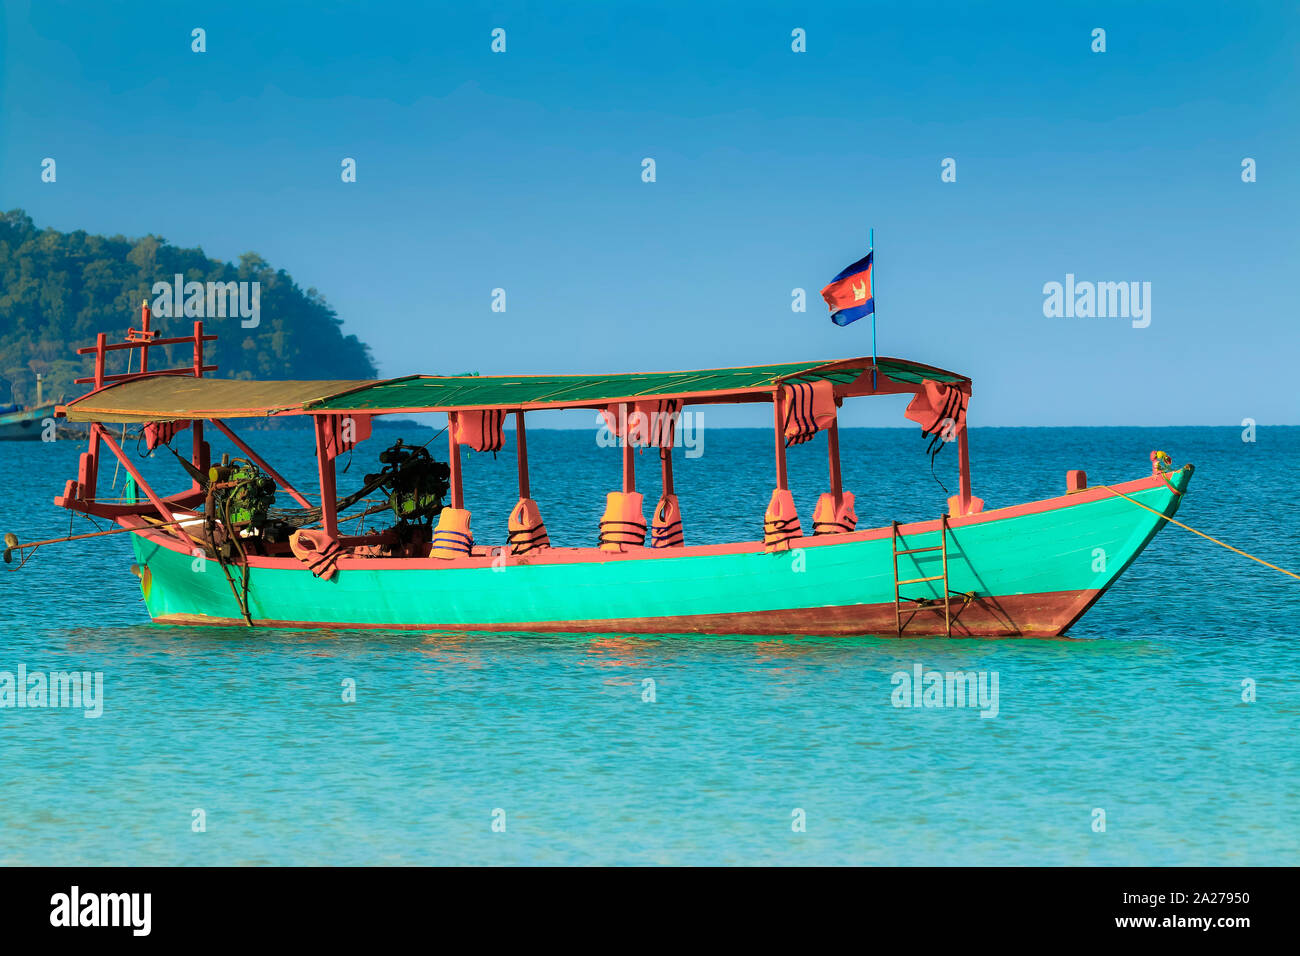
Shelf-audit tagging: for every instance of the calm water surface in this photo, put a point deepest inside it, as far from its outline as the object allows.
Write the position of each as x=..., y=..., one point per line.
x=1141, y=714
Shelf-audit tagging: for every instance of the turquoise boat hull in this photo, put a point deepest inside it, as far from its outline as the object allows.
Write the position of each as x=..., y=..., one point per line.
x=1029, y=570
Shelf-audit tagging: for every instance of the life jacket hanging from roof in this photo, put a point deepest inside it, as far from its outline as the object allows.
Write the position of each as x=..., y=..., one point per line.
x=648, y=423
x=161, y=433
x=666, y=523
x=343, y=433
x=940, y=410
x=663, y=421
x=829, y=519
x=623, y=523
x=452, y=537
x=526, y=532
x=480, y=429
x=781, y=523
x=651, y=423
x=809, y=407
x=666, y=528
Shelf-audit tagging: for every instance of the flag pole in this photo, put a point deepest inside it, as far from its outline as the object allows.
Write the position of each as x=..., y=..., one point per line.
x=872, y=250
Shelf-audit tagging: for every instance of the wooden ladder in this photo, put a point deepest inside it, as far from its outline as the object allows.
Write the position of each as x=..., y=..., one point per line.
x=923, y=602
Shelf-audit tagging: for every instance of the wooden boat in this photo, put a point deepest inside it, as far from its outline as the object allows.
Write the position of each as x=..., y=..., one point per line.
x=1029, y=569
x=23, y=424
x=19, y=423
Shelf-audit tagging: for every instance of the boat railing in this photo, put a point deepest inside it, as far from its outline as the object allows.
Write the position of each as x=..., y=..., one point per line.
x=143, y=339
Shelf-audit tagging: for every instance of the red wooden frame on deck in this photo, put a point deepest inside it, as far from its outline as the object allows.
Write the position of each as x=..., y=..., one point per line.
x=81, y=494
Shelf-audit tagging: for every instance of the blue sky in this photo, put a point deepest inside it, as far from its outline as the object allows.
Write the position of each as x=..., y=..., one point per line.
x=522, y=171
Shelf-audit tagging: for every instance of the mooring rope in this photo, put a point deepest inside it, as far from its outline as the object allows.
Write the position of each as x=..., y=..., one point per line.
x=1222, y=544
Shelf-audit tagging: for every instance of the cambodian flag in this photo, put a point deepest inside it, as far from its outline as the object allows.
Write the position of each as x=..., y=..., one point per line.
x=849, y=294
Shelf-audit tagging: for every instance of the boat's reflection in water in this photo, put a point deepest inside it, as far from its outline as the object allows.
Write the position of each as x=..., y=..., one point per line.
x=428, y=663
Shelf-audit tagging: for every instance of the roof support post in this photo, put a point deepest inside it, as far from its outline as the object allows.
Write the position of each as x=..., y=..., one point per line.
x=778, y=416
x=963, y=464
x=833, y=450
x=256, y=459
x=453, y=461
x=199, y=456
x=328, y=495
x=521, y=450
x=629, y=452
x=666, y=467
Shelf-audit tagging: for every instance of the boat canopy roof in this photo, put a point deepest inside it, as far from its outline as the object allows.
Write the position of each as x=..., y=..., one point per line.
x=173, y=397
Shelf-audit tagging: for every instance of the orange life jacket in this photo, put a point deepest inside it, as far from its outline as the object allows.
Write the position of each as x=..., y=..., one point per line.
x=666, y=529
x=343, y=433
x=317, y=550
x=452, y=538
x=480, y=429
x=781, y=523
x=160, y=433
x=828, y=519
x=651, y=423
x=623, y=523
x=526, y=530
x=809, y=406
x=940, y=410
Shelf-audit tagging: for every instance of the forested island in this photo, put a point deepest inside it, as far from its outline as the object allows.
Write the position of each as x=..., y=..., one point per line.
x=57, y=290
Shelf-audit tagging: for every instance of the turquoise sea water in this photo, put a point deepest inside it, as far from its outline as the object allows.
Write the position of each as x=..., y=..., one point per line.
x=1140, y=714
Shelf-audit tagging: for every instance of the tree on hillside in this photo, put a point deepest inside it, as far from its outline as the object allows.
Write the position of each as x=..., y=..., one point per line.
x=58, y=290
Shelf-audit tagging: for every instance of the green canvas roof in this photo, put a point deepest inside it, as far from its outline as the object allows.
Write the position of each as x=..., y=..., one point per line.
x=173, y=397
x=441, y=393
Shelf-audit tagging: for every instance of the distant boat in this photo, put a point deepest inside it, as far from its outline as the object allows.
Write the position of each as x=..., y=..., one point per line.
x=23, y=424
x=1029, y=569
x=19, y=423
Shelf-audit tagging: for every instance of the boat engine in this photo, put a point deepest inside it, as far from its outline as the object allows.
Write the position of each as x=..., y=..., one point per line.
x=242, y=494
x=414, y=482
